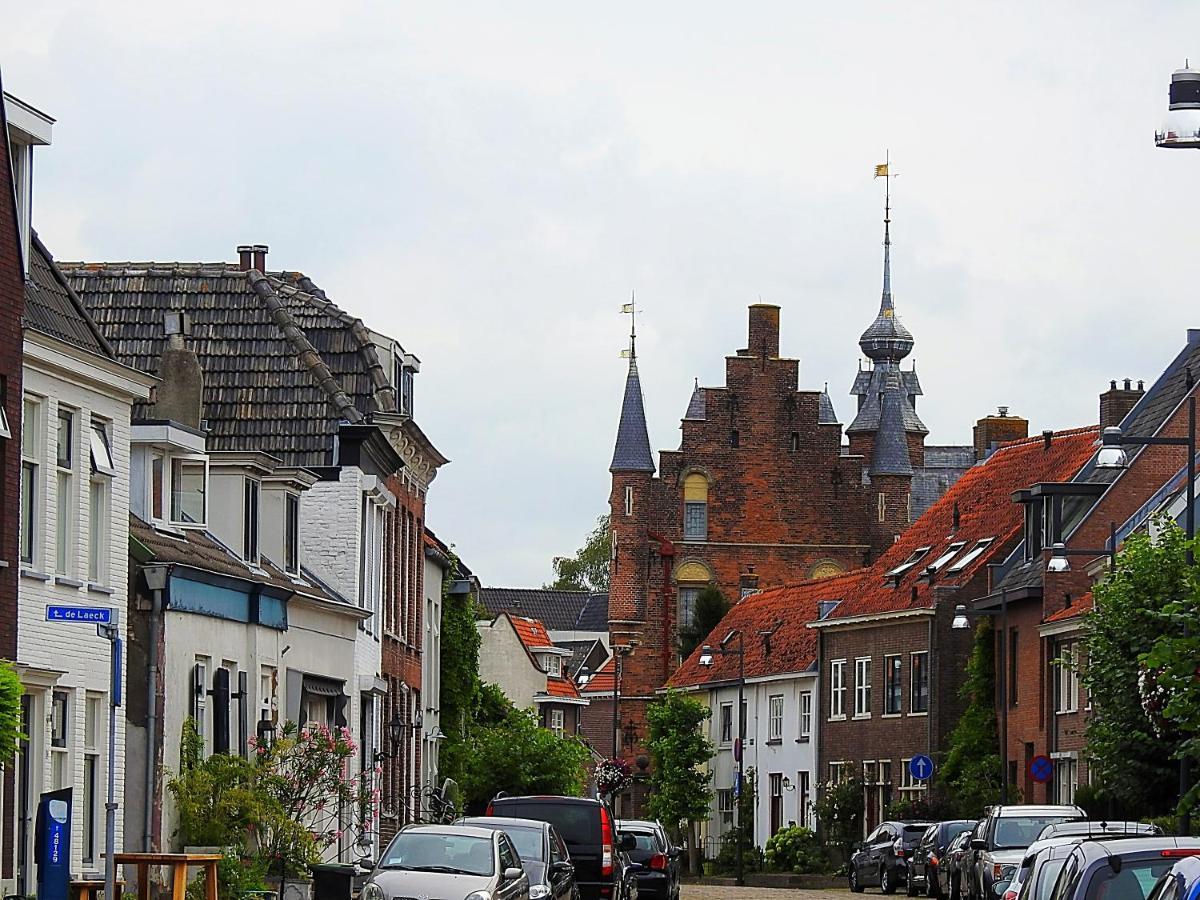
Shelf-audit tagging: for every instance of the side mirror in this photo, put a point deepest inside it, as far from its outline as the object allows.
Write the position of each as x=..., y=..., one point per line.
x=512, y=873
x=978, y=844
x=628, y=842
x=561, y=869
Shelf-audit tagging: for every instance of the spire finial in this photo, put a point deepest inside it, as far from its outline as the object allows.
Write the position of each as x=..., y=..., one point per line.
x=631, y=310
x=885, y=173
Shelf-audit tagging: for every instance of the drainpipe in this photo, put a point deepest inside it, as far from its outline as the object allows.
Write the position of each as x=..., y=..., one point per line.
x=156, y=580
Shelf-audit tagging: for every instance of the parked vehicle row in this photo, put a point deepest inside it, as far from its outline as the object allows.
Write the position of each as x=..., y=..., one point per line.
x=530, y=848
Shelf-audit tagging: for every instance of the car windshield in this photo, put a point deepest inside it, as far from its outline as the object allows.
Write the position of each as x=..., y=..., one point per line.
x=645, y=841
x=440, y=851
x=529, y=843
x=1134, y=882
x=1021, y=831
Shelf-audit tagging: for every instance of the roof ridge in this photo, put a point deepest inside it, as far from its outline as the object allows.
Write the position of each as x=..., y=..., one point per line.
x=36, y=243
x=307, y=353
x=384, y=394
x=1038, y=438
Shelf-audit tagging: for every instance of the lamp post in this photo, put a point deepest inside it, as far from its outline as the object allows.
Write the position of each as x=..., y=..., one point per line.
x=1112, y=454
x=618, y=668
x=157, y=577
x=962, y=619
x=395, y=738
x=706, y=659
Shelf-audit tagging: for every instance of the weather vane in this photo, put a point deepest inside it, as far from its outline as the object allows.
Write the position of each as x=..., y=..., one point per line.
x=630, y=310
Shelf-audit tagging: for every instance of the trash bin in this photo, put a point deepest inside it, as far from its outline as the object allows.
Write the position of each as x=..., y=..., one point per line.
x=332, y=881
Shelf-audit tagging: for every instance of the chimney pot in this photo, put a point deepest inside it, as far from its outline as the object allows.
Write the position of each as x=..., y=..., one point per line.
x=1047, y=438
x=1112, y=385
x=1141, y=386
x=260, y=257
x=245, y=252
x=1003, y=411
x=1128, y=384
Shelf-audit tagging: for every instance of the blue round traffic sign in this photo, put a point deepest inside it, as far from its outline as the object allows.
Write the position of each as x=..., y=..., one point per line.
x=920, y=767
x=1041, y=768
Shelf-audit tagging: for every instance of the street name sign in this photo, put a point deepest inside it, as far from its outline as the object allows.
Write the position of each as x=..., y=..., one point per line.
x=94, y=615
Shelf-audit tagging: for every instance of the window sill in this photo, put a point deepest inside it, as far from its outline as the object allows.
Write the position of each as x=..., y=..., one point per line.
x=891, y=715
x=919, y=715
x=36, y=576
x=1065, y=712
x=68, y=582
x=837, y=718
x=803, y=740
x=99, y=589
x=860, y=717
x=3, y=564
x=774, y=742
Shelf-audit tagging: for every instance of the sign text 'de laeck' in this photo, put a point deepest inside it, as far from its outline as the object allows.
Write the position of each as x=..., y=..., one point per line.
x=90, y=614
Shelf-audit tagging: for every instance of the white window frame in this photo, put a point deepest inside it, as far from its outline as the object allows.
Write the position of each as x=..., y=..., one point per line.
x=100, y=447
x=837, y=689
x=888, y=660
x=775, y=717
x=558, y=724
x=1066, y=778
x=628, y=500
x=907, y=782
x=99, y=528
x=912, y=694
x=805, y=716
x=553, y=664
x=725, y=718
x=94, y=724
x=291, y=533
x=169, y=462
x=837, y=772
x=199, y=700
x=60, y=745
x=725, y=808
x=913, y=558
x=948, y=554
x=33, y=507
x=251, y=519
x=971, y=555
x=1066, y=679
x=66, y=529
x=862, y=687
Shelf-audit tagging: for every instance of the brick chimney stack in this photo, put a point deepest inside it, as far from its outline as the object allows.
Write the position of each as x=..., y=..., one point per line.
x=1116, y=402
x=260, y=257
x=993, y=430
x=764, y=331
x=245, y=252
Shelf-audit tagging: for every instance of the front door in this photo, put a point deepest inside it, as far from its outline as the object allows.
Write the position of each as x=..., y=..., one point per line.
x=776, y=801
x=24, y=812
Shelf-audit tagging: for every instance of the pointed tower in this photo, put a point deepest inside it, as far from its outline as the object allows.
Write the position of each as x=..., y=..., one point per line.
x=632, y=471
x=886, y=343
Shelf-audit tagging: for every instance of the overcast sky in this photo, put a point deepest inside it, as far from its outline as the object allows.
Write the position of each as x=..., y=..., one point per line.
x=488, y=182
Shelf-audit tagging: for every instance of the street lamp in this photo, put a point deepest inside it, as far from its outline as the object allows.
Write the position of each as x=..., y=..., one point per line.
x=706, y=659
x=619, y=654
x=1182, y=128
x=395, y=737
x=962, y=619
x=1059, y=552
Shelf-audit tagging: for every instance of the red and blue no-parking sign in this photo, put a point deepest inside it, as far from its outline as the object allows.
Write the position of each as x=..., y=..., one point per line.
x=1041, y=768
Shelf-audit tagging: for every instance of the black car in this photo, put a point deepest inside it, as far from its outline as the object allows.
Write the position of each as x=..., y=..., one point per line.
x=925, y=861
x=954, y=867
x=659, y=877
x=882, y=858
x=603, y=870
x=544, y=855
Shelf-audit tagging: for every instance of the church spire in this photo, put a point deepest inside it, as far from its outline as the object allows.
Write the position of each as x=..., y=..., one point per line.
x=632, y=452
x=886, y=340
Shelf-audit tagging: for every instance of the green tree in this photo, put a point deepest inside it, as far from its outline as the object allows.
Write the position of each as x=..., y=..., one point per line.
x=10, y=711
x=517, y=756
x=587, y=570
x=971, y=774
x=459, y=672
x=711, y=607
x=839, y=809
x=1151, y=589
x=680, y=785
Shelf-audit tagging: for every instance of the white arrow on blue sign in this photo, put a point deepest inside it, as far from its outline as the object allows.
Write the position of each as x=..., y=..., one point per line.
x=920, y=767
x=95, y=615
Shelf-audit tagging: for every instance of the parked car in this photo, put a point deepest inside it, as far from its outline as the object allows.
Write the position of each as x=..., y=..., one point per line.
x=603, y=870
x=955, y=866
x=1093, y=829
x=448, y=861
x=999, y=841
x=882, y=858
x=1180, y=882
x=544, y=855
x=1044, y=858
x=926, y=857
x=659, y=876
x=1126, y=869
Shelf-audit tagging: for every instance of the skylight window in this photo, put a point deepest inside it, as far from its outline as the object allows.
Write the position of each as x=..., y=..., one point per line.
x=972, y=555
x=917, y=556
x=953, y=549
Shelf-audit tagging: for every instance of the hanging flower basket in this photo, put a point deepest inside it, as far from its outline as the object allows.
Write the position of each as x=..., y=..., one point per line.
x=613, y=776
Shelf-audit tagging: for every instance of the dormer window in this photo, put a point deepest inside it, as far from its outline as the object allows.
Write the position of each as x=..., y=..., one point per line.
x=250, y=497
x=972, y=555
x=189, y=490
x=291, y=534
x=553, y=665
x=916, y=556
x=406, y=367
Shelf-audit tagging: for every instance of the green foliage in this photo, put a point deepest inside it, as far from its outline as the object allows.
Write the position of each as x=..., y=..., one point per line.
x=459, y=674
x=237, y=875
x=518, y=756
x=10, y=711
x=971, y=773
x=711, y=607
x=1151, y=589
x=680, y=784
x=587, y=570
x=926, y=806
x=795, y=849
x=216, y=799
x=839, y=809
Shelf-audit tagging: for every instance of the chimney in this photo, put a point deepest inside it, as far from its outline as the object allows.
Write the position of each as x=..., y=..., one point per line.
x=179, y=396
x=1116, y=402
x=748, y=583
x=244, y=252
x=997, y=429
x=764, y=331
x=260, y=257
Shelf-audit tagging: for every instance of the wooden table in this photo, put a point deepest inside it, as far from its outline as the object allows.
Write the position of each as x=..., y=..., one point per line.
x=89, y=889
x=179, y=864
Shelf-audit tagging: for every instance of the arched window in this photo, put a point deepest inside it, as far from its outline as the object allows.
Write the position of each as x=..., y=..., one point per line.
x=695, y=508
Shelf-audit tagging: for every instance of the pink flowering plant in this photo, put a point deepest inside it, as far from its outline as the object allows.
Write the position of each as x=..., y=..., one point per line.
x=612, y=776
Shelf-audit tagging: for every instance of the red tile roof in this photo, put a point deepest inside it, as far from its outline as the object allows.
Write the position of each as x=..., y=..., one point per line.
x=602, y=681
x=561, y=687
x=1078, y=607
x=986, y=510
x=531, y=632
x=793, y=647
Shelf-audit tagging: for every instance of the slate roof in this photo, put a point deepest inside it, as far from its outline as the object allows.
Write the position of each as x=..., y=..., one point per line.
x=825, y=411
x=890, y=453
x=697, y=408
x=560, y=610
x=886, y=337
x=52, y=308
x=983, y=496
x=283, y=366
x=873, y=387
x=580, y=651
x=793, y=647
x=632, y=450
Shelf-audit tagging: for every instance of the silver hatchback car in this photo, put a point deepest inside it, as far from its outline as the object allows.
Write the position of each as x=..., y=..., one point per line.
x=448, y=862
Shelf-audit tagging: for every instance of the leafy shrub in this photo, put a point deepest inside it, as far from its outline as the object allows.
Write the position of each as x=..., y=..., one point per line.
x=795, y=849
x=839, y=809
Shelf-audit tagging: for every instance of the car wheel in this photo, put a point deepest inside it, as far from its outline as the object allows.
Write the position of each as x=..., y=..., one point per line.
x=854, y=885
x=887, y=881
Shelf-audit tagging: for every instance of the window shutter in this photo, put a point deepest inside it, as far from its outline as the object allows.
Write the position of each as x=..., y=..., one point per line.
x=220, y=693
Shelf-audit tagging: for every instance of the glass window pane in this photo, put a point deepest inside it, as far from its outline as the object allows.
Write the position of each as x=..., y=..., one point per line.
x=98, y=526
x=187, y=491
x=28, y=521
x=695, y=521
x=66, y=438
x=156, y=486
x=29, y=428
x=101, y=455
x=65, y=532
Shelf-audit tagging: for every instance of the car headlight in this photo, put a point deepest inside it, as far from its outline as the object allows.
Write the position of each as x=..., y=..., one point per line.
x=479, y=895
x=538, y=891
x=372, y=891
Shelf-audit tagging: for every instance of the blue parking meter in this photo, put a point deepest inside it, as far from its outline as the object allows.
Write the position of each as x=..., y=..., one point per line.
x=52, y=845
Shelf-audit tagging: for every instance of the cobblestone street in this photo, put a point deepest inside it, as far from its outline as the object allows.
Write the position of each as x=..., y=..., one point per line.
x=723, y=892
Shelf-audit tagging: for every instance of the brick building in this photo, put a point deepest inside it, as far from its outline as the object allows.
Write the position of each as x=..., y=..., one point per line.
x=891, y=665
x=761, y=490
x=1047, y=708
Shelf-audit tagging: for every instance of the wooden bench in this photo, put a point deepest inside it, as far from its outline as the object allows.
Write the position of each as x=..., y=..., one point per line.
x=178, y=863
x=88, y=889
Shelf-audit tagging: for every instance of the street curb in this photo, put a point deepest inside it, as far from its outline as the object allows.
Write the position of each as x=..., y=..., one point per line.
x=781, y=881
